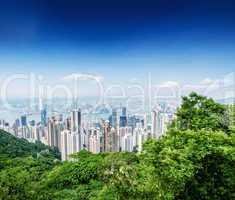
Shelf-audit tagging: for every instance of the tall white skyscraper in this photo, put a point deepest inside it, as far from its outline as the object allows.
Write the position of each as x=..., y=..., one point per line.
x=94, y=140
x=54, y=133
x=72, y=142
x=64, y=145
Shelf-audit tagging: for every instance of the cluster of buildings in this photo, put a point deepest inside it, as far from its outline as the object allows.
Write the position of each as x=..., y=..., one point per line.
x=73, y=133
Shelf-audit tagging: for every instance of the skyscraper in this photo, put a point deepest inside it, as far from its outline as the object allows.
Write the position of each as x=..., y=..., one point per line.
x=51, y=132
x=105, y=140
x=23, y=120
x=64, y=144
x=24, y=128
x=123, y=111
x=114, y=119
x=123, y=118
x=123, y=121
x=131, y=121
x=16, y=126
x=54, y=133
x=94, y=140
x=76, y=120
x=44, y=116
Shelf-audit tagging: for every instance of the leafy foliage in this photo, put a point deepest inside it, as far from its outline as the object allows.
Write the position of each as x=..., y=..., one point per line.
x=198, y=112
x=193, y=165
x=194, y=160
x=13, y=147
x=231, y=113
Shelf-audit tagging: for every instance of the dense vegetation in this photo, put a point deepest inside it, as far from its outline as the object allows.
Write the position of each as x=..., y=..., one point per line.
x=13, y=147
x=23, y=165
x=231, y=113
x=194, y=160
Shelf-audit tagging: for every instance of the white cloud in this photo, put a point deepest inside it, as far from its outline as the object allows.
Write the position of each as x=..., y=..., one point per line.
x=216, y=88
x=207, y=81
x=169, y=84
x=221, y=88
x=80, y=76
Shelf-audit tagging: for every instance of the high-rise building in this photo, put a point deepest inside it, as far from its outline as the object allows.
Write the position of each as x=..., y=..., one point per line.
x=67, y=123
x=76, y=120
x=123, y=118
x=94, y=140
x=105, y=140
x=38, y=134
x=32, y=123
x=44, y=116
x=32, y=130
x=114, y=118
x=131, y=121
x=64, y=145
x=123, y=111
x=25, y=133
x=125, y=135
x=17, y=123
x=51, y=132
x=54, y=133
x=15, y=127
x=84, y=139
x=159, y=123
x=114, y=143
x=60, y=118
x=72, y=142
x=127, y=143
x=24, y=128
x=123, y=121
x=23, y=120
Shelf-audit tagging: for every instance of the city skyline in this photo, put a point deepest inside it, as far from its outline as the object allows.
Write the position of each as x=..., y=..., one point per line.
x=104, y=54
x=117, y=99
x=72, y=132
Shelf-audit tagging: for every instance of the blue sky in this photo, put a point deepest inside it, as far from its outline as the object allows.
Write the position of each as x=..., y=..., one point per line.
x=183, y=41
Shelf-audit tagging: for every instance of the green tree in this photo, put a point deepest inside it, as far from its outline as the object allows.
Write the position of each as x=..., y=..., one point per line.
x=12, y=147
x=194, y=160
x=119, y=175
x=191, y=165
x=78, y=179
x=198, y=112
x=231, y=113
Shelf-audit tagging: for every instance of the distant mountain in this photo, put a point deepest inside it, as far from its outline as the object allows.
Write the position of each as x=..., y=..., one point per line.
x=13, y=147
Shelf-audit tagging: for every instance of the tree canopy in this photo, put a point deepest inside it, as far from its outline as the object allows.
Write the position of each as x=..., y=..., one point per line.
x=194, y=160
x=199, y=112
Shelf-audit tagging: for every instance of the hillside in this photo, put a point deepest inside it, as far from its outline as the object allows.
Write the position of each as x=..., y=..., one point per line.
x=13, y=147
x=194, y=160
